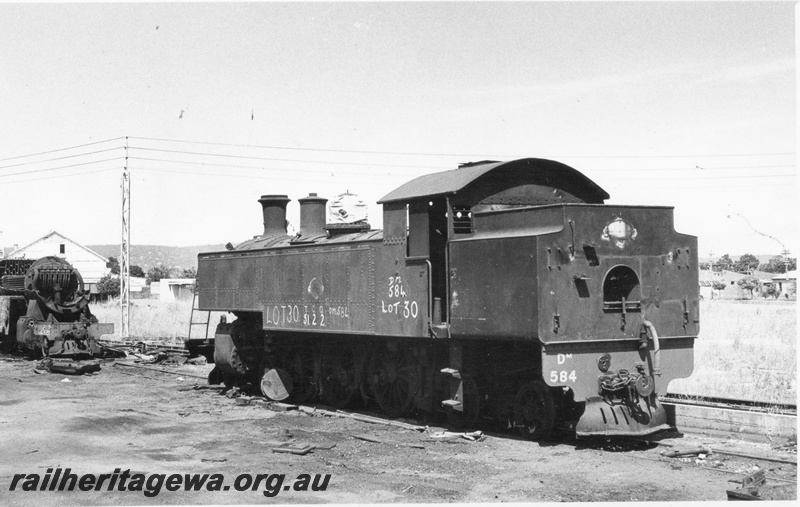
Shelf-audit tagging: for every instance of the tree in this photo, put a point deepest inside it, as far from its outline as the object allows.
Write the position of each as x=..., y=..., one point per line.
x=748, y=283
x=189, y=273
x=137, y=272
x=156, y=273
x=777, y=265
x=113, y=263
x=704, y=265
x=717, y=286
x=746, y=263
x=108, y=286
x=772, y=291
x=724, y=262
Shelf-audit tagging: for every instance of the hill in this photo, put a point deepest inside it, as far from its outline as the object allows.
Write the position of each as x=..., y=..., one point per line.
x=148, y=256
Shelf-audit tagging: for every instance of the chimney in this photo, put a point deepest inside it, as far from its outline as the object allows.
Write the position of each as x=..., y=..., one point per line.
x=312, y=216
x=274, y=214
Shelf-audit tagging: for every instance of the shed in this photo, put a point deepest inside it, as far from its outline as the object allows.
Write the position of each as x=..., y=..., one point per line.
x=91, y=264
x=786, y=283
x=173, y=289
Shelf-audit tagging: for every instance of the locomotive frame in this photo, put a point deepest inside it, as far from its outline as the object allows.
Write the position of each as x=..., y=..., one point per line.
x=44, y=312
x=499, y=289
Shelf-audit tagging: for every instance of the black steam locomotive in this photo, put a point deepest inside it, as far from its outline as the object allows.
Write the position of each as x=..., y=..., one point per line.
x=505, y=290
x=44, y=312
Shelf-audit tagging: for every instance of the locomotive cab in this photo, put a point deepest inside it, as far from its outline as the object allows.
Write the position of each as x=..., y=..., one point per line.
x=545, y=279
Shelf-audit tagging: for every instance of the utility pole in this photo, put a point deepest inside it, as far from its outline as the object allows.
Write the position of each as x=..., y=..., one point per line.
x=124, y=264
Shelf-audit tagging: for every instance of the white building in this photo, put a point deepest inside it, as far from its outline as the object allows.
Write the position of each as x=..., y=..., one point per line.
x=786, y=283
x=172, y=289
x=90, y=264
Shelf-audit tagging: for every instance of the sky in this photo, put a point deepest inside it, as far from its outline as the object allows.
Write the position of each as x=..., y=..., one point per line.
x=211, y=105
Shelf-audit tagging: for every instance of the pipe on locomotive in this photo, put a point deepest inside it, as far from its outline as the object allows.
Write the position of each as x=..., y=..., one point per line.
x=656, y=348
x=312, y=216
x=274, y=210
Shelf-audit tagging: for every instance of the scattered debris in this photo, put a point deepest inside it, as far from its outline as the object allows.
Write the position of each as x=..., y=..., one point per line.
x=472, y=436
x=160, y=370
x=175, y=359
x=282, y=407
x=360, y=417
x=321, y=447
x=66, y=366
x=751, y=456
x=199, y=361
x=754, y=487
x=294, y=448
x=687, y=452
x=213, y=460
x=377, y=441
x=66, y=380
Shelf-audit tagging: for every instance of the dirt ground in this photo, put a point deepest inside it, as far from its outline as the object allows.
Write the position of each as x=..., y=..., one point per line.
x=155, y=423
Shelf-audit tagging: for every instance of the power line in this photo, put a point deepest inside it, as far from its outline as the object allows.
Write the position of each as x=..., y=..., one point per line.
x=61, y=149
x=51, y=177
x=235, y=166
x=247, y=157
x=60, y=167
x=244, y=176
x=331, y=150
x=379, y=152
x=58, y=158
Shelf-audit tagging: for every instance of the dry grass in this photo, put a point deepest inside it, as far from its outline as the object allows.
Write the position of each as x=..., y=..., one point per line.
x=746, y=350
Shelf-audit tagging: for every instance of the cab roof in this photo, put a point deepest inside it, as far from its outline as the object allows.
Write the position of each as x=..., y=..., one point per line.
x=526, y=170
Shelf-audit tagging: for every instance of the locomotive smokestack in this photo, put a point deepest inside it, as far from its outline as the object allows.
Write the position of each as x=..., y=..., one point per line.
x=312, y=216
x=274, y=214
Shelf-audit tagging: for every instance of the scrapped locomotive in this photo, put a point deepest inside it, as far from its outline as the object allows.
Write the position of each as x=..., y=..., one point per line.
x=505, y=290
x=44, y=311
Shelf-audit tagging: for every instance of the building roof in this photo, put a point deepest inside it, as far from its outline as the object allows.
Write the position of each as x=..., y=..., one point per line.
x=453, y=181
x=56, y=233
x=790, y=275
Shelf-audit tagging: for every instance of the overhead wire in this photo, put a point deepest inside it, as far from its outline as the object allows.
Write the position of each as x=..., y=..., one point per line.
x=61, y=167
x=59, y=158
x=198, y=159
x=247, y=157
x=380, y=152
x=236, y=166
x=82, y=173
x=61, y=149
x=246, y=176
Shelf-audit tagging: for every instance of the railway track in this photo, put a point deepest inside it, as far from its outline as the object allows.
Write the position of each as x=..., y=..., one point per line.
x=743, y=417
x=731, y=404
x=692, y=413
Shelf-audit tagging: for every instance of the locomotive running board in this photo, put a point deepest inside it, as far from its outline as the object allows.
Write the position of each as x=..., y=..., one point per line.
x=602, y=418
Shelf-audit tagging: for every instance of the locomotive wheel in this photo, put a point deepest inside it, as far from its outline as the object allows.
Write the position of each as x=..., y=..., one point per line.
x=471, y=403
x=394, y=380
x=534, y=411
x=215, y=376
x=302, y=369
x=338, y=378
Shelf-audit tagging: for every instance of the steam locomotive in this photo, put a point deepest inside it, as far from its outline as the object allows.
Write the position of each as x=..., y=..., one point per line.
x=502, y=290
x=44, y=312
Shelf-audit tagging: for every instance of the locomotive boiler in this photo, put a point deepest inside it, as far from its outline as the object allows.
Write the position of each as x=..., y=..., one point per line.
x=44, y=311
x=504, y=290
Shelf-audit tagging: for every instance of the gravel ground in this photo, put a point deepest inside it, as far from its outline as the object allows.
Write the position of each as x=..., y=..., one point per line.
x=155, y=423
